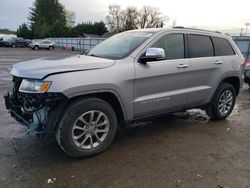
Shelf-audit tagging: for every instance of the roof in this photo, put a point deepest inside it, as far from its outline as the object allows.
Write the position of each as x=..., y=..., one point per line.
x=90, y=35
x=109, y=34
x=186, y=29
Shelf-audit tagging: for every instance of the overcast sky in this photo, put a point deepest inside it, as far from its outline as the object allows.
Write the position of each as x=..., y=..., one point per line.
x=213, y=14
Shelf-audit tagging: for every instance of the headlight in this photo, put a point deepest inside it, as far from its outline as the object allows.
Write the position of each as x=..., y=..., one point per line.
x=34, y=86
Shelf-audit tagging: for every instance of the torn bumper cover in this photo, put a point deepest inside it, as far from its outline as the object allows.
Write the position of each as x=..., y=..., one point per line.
x=38, y=112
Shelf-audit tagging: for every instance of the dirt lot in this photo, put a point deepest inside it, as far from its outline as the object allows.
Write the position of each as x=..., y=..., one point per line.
x=182, y=150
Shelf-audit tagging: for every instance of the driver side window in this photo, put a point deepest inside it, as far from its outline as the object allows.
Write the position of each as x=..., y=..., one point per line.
x=173, y=45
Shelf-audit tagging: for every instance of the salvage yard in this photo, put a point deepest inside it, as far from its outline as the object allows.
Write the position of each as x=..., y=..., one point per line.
x=181, y=150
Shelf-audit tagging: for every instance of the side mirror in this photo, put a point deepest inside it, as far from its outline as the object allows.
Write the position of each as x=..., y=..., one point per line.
x=153, y=54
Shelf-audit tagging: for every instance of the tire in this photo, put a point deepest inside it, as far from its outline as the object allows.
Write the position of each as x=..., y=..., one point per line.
x=51, y=48
x=36, y=47
x=70, y=122
x=13, y=45
x=221, y=107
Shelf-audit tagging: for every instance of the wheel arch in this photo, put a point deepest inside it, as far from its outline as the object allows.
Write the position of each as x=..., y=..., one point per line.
x=110, y=97
x=234, y=81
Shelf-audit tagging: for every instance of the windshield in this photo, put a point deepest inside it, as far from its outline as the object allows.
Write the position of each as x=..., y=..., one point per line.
x=120, y=45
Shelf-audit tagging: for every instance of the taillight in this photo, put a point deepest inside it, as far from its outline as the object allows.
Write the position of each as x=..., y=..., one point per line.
x=244, y=64
x=247, y=66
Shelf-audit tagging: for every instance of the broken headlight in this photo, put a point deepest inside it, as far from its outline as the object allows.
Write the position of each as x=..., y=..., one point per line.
x=34, y=86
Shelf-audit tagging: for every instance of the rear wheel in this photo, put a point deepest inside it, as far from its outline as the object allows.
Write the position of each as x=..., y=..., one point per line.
x=51, y=48
x=87, y=128
x=36, y=48
x=13, y=45
x=222, y=103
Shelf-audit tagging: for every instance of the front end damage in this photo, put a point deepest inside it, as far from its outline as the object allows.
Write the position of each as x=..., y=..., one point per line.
x=39, y=112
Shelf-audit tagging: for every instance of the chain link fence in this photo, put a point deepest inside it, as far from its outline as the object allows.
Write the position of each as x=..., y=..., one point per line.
x=77, y=44
x=243, y=42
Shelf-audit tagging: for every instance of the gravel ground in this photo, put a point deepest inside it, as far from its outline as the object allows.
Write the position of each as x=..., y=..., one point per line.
x=181, y=150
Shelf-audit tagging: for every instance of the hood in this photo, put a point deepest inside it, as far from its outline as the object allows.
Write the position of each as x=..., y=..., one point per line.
x=40, y=68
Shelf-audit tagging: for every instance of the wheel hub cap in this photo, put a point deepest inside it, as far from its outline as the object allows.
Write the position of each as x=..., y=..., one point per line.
x=90, y=129
x=225, y=102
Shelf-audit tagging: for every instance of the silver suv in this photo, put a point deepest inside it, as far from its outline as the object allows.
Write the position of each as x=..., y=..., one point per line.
x=42, y=44
x=129, y=77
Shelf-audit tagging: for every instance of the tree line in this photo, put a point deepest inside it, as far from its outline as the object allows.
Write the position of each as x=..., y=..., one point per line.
x=51, y=19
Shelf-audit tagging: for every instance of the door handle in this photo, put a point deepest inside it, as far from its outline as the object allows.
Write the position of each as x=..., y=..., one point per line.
x=218, y=62
x=182, y=66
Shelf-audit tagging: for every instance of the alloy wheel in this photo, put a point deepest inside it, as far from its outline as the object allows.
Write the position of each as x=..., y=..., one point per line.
x=90, y=129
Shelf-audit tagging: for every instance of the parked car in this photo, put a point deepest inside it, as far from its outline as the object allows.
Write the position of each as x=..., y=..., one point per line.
x=247, y=74
x=130, y=77
x=42, y=44
x=16, y=42
x=1, y=42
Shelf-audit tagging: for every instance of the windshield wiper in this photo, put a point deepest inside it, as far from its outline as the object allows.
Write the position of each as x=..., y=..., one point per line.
x=93, y=55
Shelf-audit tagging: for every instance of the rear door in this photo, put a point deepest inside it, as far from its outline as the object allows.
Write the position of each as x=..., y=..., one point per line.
x=161, y=86
x=206, y=68
x=224, y=50
x=44, y=44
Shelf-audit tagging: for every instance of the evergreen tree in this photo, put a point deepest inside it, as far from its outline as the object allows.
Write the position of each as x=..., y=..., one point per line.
x=97, y=28
x=48, y=18
x=24, y=31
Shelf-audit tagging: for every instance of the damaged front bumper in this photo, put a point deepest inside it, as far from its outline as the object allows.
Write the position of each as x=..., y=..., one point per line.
x=38, y=112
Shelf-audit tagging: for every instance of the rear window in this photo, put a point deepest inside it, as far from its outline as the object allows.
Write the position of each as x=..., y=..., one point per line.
x=222, y=47
x=200, y=46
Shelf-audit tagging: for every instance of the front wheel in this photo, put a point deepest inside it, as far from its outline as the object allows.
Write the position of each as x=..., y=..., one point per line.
x=36, y=48
x=87, y=127
x=222, y=103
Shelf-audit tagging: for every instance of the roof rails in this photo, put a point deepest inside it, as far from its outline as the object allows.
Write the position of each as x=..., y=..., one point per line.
x=181, y=27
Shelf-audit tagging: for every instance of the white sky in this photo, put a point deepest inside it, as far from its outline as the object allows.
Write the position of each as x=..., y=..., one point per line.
x=212, y=14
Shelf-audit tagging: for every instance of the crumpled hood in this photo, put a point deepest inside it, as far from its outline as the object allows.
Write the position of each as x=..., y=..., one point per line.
x=40, y=68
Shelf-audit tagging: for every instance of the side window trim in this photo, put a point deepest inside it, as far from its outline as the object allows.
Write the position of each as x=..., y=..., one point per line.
x=213, y=45
x=186, y=47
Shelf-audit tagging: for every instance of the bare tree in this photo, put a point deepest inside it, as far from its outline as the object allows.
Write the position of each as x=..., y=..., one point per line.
x=115, y=18
x=70, y=16
x=132, y=18
x=150, y=17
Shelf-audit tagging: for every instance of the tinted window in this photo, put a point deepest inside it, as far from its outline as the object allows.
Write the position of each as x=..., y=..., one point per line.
x=222, y=47
x=173, y=45
x=200, y=46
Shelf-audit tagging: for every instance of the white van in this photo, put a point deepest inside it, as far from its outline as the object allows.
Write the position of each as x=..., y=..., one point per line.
x=5, y=37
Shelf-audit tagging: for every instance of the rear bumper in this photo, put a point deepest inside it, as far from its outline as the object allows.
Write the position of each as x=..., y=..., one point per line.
x=38, y=113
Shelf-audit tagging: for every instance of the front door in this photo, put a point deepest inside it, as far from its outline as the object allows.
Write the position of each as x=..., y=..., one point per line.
x=162, y=86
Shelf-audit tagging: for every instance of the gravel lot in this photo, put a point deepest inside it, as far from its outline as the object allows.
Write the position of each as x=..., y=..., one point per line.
x=181, y=150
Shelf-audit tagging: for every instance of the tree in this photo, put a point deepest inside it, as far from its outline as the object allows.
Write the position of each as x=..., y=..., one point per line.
x=49, y=18
x=70, y=17
x=132, y=18
x=97, y=28
x=150, y=17
x=24, y=31
x=6, y=31
x=115, y=18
